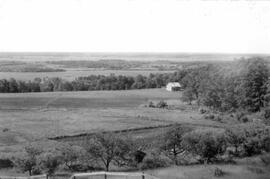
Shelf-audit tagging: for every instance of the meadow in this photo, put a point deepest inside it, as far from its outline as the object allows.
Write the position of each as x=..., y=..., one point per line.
x=71, y=74
x=69, y=113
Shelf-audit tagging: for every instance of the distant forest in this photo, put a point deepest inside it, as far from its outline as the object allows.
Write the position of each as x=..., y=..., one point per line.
x=90, y=83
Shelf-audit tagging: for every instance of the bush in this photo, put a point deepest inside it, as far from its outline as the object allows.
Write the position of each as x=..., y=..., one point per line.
x=235, y=138
x=151, y=104
x=162, y=104
x=265, y=159
x=210, y=116
x=218, y=172
x=267, y=113
x=208, y=145
x=241, y=117
x=155, y=160
x=252, y=146
x=6, y=163
x=5, y=130
x=202, y=110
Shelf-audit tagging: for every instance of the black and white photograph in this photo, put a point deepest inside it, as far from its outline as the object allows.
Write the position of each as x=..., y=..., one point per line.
x=134, y=89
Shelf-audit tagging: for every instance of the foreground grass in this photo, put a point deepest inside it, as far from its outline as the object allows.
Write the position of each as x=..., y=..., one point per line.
x=207, y=172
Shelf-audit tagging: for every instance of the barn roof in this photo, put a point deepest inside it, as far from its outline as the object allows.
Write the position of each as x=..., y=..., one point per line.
x=174, y=84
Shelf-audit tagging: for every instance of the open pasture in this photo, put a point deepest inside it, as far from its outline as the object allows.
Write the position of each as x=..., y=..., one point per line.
x=69, y=113
x=240, y=171
x=70, y=74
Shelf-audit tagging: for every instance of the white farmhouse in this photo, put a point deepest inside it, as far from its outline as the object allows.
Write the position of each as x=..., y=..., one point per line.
x=173, y=86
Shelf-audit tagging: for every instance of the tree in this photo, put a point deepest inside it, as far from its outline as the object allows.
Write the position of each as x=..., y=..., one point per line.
x=71, y=155
x=27, y=161
x=172, y=143
x=235, y=137
x=13, y=86
x=254, y=81
x=107, y=148
x=49, y=162
x=194, y=79
x=187, y=96
x=206, y=144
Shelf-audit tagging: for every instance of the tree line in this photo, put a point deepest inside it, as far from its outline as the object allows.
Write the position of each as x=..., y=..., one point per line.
x=247, y=87
x=89, y=83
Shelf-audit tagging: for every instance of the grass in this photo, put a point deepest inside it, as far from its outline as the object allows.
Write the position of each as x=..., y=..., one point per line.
x=32, y=116
x=70, y=74
x=207, y=171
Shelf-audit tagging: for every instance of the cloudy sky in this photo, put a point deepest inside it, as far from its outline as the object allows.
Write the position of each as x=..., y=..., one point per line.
x=227, y=26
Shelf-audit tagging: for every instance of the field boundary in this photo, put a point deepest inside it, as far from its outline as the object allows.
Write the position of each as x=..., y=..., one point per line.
x=105, y=132
x=128, y=130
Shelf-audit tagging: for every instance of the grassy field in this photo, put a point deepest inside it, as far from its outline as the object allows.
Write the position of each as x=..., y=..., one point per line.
x=70, y=74
x=207, y=172
x=39, y=116
x=69, y=113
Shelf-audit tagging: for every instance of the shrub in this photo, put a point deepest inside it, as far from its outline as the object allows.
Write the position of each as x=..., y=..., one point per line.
x=218, y=172
x=155, y=160
x=6, y=163
x=202, y=110
x=265, y=159
x=241, y=117
x=162, y=104
x=208, y=145
x=210, y=116
x=151, y=104
x=252, y=146
x=5, y=130
x=267, y=113
x=235, y=137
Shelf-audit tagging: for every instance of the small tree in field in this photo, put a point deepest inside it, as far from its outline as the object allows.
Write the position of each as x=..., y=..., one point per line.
x=173, y=141
x=188, y=96
x=71, y=155
x=107, y=148
x=206, y=144
x=235, y=137
x=49, y=162
x=27, y=161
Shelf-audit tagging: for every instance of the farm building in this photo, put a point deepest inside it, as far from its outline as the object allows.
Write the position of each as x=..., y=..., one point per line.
x=173, y=86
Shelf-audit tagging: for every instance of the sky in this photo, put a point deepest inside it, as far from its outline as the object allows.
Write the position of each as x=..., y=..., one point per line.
x=204, y=26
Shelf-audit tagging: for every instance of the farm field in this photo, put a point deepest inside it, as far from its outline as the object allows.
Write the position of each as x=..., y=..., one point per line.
x=69, y=113
x=72, y=74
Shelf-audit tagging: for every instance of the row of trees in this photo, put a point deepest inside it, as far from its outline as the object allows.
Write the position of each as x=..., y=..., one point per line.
x=247, y=87
x=101, y=151
x=93, y=82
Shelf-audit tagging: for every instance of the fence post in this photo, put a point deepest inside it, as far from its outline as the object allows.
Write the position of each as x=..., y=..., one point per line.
x=105, y=176
x=143, y=177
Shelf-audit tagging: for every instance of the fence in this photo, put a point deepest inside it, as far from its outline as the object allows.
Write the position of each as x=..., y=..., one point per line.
x=94, y=175
x=30, y=177
x=112, y=175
